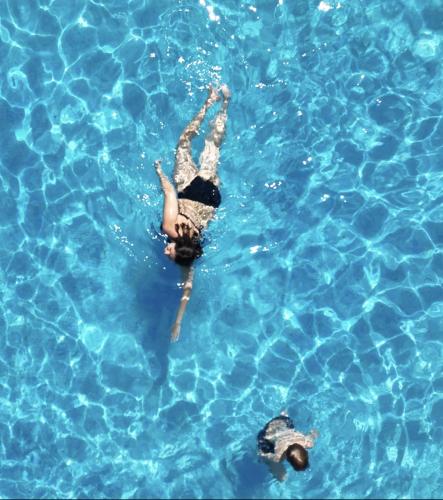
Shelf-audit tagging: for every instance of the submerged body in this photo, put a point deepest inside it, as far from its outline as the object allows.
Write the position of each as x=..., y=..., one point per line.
x=198, y=201
x=276, y=438
x=190, y=205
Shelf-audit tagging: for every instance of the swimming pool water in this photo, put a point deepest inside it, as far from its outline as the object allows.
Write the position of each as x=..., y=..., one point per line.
x=320, y=289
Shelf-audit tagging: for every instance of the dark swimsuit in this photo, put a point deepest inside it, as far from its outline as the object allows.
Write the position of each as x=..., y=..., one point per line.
x=265, y=445
x=205, y=192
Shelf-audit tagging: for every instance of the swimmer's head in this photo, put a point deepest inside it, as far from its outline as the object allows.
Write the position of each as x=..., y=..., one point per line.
x=185, y=248
x=297, y=456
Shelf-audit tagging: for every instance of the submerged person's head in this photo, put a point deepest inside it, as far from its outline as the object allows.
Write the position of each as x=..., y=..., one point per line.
x=297, y=456
x=185, y=248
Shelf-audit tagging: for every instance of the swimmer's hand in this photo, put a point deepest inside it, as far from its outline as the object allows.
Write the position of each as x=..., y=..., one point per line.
x=170, y=195
x=175, y=331
x=188, y=276
x=278, y=470
x=158, y=166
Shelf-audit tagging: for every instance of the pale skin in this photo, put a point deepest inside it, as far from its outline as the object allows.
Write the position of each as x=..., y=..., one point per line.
x=171, y=216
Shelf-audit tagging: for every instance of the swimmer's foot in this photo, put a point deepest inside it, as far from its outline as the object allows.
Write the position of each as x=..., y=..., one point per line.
x=213, y=96
x=226, y=97
x=226, y=92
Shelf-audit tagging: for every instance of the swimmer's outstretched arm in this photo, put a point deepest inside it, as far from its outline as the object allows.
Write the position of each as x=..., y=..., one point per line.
x=170, y=203
x=278, y=470
x=187, y=289
x=275, y=466
x=270, y=457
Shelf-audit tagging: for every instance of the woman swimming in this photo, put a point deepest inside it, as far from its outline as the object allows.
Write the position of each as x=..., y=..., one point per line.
x=189, y=207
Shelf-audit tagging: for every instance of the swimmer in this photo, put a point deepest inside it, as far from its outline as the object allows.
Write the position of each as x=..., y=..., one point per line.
x=190, y=205
x=279, y=441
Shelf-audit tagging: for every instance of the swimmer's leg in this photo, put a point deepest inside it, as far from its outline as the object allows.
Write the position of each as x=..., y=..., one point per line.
x=211, y=152
x=185, y=168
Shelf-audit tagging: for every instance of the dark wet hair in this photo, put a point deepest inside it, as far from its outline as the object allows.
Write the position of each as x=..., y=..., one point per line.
x=297, y=456
x=187, y=247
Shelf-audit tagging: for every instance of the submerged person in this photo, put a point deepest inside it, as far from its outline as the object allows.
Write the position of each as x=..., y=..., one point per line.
x=279, y=441
x=190, y=205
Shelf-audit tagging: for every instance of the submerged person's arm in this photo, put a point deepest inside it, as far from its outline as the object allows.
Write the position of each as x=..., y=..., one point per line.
x=277, y=470
x=170, y=203
x=275, y=465
x=187, y=289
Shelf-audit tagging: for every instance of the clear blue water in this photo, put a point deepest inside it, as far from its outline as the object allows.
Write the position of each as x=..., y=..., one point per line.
x=320, y=289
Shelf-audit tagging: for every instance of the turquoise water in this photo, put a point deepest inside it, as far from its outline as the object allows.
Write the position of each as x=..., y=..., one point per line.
x=320, y=289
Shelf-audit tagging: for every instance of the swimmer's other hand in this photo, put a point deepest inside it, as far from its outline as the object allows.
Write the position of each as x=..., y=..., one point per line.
x=175, y=331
